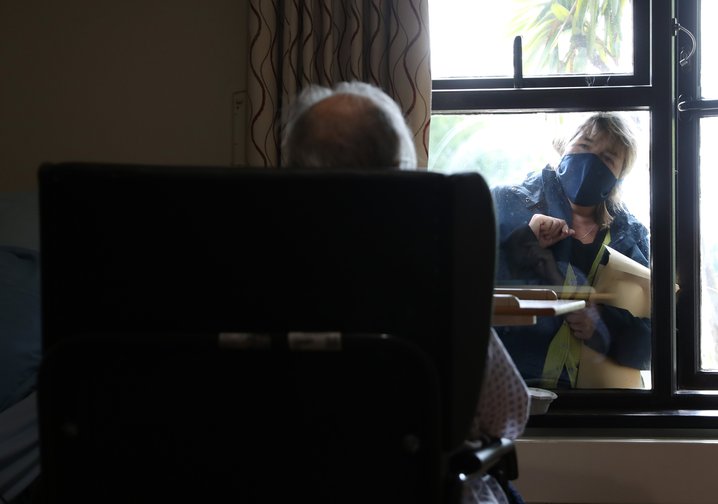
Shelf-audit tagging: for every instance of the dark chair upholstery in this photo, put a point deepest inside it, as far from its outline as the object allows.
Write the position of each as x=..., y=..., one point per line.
x=262, y=335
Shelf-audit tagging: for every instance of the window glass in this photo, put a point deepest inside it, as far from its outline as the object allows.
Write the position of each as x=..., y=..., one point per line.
x=709, y=245
x=608, y=344
x=708, y=203
x=474, y=38
x=709, y=44
x=505, y=147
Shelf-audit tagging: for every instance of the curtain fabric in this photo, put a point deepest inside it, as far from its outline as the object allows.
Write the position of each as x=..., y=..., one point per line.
x=293, y=43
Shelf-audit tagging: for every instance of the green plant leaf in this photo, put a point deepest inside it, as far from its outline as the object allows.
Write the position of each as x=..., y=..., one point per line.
x=560, y=12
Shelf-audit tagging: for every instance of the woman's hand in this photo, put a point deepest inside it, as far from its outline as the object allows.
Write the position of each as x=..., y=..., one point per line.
x=582, y=323
x=549, y=230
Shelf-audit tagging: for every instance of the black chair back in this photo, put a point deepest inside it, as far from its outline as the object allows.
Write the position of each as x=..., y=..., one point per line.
x=297, y=322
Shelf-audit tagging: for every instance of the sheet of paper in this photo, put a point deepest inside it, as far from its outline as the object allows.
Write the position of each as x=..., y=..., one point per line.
x=624, y=283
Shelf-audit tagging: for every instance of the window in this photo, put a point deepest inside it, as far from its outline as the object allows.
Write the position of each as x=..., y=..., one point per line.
x=500, y=101
x=563, y=43
x=457, y=39
x=504, y=147
x=697, y=127
x=708, y=154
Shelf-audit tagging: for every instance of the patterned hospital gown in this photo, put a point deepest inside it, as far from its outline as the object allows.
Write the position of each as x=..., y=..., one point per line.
x=503, y=411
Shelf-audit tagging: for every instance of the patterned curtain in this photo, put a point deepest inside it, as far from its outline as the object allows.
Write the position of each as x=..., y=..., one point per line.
x=293, y=43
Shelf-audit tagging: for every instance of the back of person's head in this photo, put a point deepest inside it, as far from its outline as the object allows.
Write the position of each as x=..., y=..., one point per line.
x=353, y=125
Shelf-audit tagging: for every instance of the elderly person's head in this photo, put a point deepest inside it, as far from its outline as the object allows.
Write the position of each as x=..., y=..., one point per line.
x=353, y=125
x=601, y=152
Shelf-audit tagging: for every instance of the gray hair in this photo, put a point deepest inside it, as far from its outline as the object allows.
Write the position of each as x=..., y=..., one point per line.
x=363, y=128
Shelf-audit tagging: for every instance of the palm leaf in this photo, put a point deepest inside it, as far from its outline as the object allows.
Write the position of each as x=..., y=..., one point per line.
x=560, y=12
x=594, y=26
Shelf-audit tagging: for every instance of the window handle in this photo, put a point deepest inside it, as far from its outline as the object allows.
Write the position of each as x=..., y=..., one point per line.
x=701, y=108
x=677, y=27
x=518, y=63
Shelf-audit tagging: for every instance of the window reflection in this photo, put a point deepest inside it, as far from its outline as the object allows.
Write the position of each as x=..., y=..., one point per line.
x=558, y=193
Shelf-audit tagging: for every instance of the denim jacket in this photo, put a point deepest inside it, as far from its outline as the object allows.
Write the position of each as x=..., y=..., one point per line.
x=626, y=339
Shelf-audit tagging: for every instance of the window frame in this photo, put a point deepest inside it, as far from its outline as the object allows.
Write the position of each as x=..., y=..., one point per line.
x=689, y=374
x=679, y=397
x=640, y=76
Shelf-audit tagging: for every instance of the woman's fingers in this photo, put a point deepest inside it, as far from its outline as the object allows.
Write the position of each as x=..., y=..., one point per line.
x=551, y=230
x=581, y=323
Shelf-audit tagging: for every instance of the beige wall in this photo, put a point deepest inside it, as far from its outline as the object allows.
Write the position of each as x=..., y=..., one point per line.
x=103, y=80
x=645, y=470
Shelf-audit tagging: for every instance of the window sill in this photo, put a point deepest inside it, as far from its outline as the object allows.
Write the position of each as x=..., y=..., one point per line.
x=624, y=419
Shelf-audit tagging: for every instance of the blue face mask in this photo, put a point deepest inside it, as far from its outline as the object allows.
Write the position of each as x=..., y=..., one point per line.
x=585, y=179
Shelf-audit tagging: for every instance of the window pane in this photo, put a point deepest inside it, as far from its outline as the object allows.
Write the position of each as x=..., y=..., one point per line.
x=709, y=245
x=474, y=38
x=505, y=147
x=709, y=45
x=708, y=203
x=511, y=151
